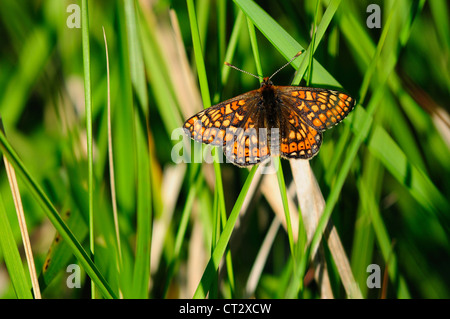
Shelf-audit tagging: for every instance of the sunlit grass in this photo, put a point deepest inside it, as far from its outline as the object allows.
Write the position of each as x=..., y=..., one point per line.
x=197, y=230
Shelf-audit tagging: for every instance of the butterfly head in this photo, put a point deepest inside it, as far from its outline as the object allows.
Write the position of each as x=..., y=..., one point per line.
x=266, y=82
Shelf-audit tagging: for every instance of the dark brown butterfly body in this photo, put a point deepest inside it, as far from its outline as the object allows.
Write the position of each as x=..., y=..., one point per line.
x=272, y=120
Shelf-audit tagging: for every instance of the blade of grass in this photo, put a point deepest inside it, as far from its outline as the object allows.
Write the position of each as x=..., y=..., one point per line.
x=231, y=48
x=23, y=225
x=221, y=35
x=255, y=50
x=112, y=180
x=59, y=254
x=375, y=60
x=329, y=14
x=310, y=196
x=12, y=257
x=282, y=186
x=135, y=54
x=199, y=62
x=313, y=41
x=123, y=125
x=141, y=275
x=90, y=140
x=224, y=75
x=203, y=12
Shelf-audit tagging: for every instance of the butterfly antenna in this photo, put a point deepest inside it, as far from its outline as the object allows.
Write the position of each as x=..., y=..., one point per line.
x=295, y=56
x=246, y=72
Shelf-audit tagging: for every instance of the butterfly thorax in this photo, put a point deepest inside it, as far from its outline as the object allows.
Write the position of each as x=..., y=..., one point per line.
x=268, y=103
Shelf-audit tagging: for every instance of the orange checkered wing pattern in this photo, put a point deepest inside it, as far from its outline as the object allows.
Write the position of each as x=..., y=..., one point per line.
x=273, y=120
x=297, y=139
x=319, y=108
x=235, y=125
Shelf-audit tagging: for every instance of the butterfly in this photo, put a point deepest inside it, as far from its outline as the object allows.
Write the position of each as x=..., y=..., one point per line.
x=270, y=121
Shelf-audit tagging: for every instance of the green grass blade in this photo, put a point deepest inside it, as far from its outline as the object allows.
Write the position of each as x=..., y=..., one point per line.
x=123, y=124
x=11, y=254
x=254, y=43
x=144, y=214
x=312, y=44
x=282, y=186
x=199, y=62
x=141, y=275
x=112, y=180
x=60, y=254
x=135, y=55
x=221, y=34
x=231, y=48
x=90, y=141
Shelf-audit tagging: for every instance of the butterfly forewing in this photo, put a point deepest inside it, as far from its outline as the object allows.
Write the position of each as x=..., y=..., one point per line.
x=209, y=125
x=321, y=109
x=234, y=124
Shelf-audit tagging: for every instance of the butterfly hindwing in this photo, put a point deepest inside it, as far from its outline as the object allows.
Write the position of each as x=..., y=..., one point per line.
x=298, y=140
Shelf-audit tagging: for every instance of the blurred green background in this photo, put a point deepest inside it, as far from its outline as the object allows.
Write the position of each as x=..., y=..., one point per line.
x=388, y=163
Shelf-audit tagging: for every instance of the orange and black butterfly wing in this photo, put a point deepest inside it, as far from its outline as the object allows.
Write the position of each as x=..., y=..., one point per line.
x=209, y=125
x=249, y=144
x=233, y=124
x=297, y=139
x=320, y=108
